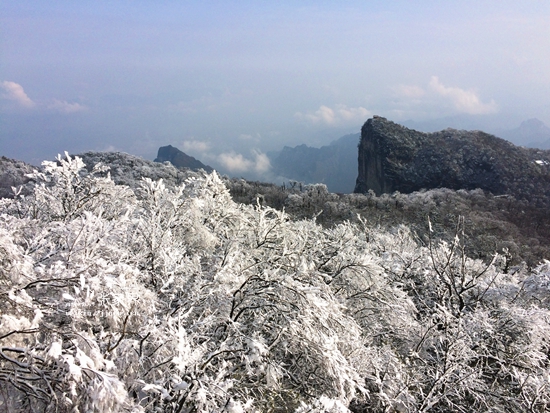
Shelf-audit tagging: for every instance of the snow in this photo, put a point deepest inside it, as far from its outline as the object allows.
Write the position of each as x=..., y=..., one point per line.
x=186, y=300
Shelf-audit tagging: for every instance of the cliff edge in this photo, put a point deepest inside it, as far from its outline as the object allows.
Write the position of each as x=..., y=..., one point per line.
x=395, y=158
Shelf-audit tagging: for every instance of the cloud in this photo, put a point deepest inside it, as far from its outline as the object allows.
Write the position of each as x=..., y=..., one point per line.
x=340, y=114
x=323, y=114
x=236, y=162
x=195, y=146
x=261, y=164
x=463, y=100
x=352, y=114
x=65, y=107
x=15, y=92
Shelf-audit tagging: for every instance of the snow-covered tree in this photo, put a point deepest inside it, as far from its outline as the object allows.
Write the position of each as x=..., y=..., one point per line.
x=177, y=299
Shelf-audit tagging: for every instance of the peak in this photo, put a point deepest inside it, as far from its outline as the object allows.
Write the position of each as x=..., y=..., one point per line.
x=380, y=120
x=179, y=158
x=377, y=119
x=533, y=125
x=532, y=122
x=386, y=127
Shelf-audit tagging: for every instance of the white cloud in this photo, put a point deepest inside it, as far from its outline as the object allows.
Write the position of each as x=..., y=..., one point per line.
x=65, y=107
x=352, y=114
x=340, y=114
x=261, y=164
x=15, y=92
x=195, y=146
x=465, y=101
x=236, y=162
x=323, y=114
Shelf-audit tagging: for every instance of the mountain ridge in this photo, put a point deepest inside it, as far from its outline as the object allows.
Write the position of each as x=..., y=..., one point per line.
x=395, y=158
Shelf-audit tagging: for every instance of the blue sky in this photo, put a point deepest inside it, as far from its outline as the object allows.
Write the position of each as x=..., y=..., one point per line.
x=229, y=81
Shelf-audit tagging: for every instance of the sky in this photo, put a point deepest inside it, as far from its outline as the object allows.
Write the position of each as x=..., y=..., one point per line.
x=230, y=81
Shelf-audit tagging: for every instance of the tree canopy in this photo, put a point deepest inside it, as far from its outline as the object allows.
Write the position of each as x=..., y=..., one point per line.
x=182, y=300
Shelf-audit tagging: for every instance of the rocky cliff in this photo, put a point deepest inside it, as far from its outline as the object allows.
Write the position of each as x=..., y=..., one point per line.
x=395, y=158
x=180, y=159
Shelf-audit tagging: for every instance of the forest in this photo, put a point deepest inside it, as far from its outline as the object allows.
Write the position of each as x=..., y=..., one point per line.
x=207, y=295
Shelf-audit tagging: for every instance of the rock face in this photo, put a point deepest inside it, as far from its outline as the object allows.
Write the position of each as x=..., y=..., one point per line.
x=180, y=159
x=395, y=158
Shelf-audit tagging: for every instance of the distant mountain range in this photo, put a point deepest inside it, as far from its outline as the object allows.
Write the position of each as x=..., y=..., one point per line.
x=502, y=190
x=532, y=133
x=334, y=165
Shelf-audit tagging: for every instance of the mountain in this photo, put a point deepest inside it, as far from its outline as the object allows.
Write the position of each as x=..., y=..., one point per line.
x=334, y=165
x=520, y=225
x=126, y=169
x=395, y=158
x=532, y=133
x=180, y=159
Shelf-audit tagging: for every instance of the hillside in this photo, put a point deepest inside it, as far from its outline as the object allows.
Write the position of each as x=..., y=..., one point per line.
x=148, y=298
x=492, y=223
